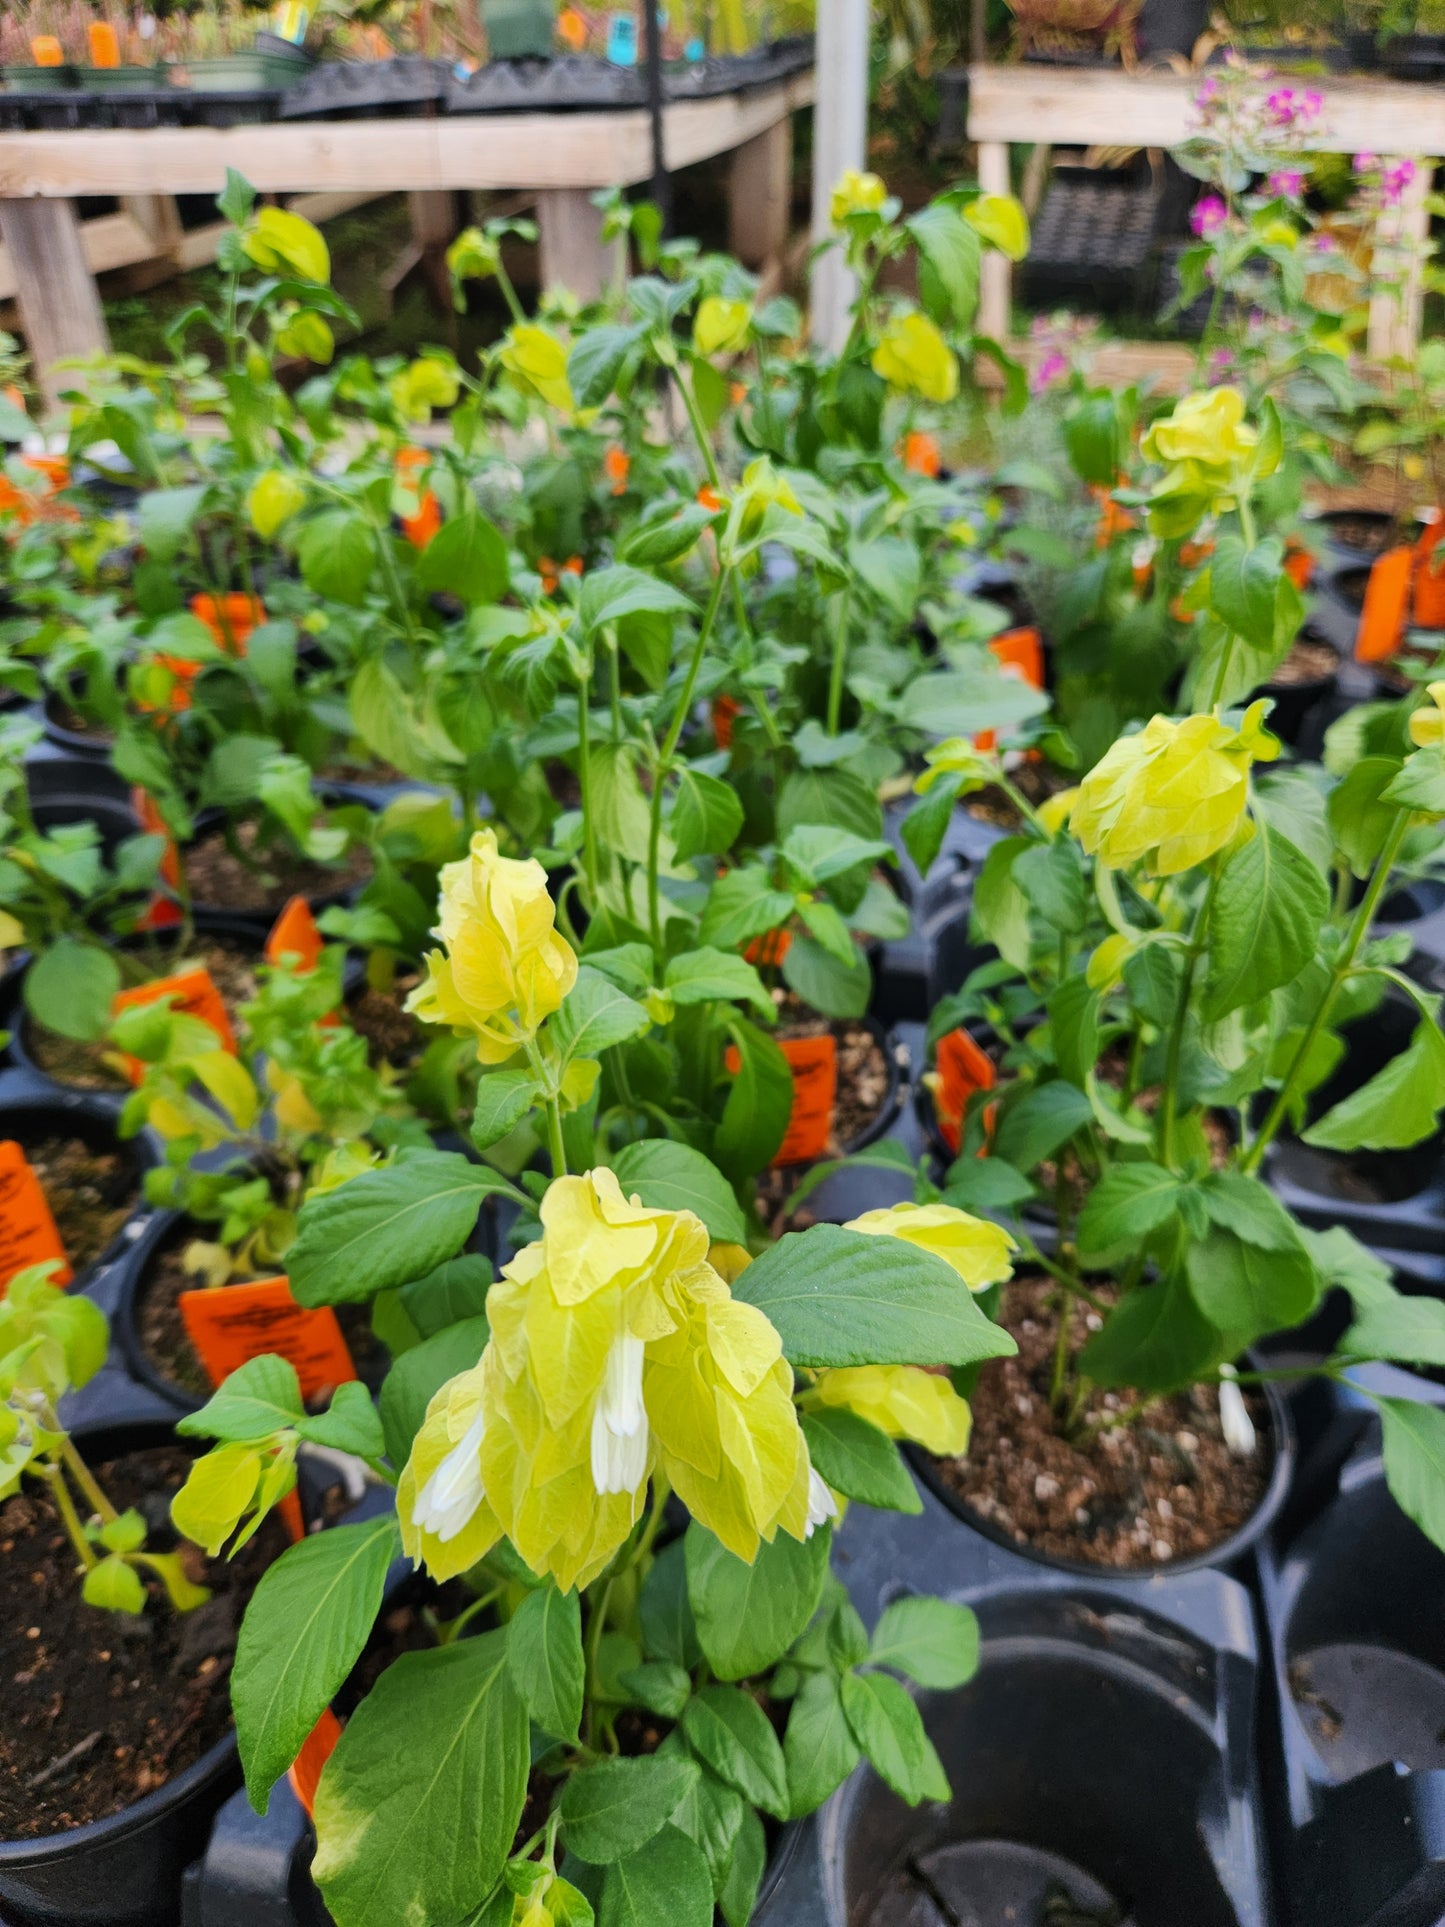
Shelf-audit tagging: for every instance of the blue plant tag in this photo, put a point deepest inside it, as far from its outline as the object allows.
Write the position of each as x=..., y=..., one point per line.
x=622, y=41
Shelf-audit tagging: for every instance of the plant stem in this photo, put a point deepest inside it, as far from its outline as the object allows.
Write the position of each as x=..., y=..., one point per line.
x=552, y=1103
x=665, y=756
x=1061, y=1351
x=86, y=1480
x=584, y=777
x=1167, y=1097
x=69, y=1517
x=596, y=1626
x=1344, y=963
x=840, y=664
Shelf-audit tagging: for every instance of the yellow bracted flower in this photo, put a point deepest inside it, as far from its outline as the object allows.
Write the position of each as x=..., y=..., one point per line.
x=446, y=1522
x=1208, y=428
x=1173, y=794
x=537, y=361
x=857, y=194
x=977, y=1249
x=427, y=383
x=763, y=488
x=913, y=355
x=721, y=327
x=615, y=1347
x=272, y=499
x=902, y=1400
x=279, y=241
x=1427, y=725
x=1002, y=221
x=1054, y=811
x=505, y=969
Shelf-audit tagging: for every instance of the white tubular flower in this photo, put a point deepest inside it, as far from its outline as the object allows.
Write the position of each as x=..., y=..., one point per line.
x=619, y=1420
x=1234, y=1420
x=449, y=1499
x=822, y=1506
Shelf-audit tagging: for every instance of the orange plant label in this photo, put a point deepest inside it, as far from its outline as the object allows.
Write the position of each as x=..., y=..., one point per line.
x=1387, y=598
x=194, y=992
x=814, y=1063
x=148, y=815
x=46, y=51
x=1019, y=653
x=306, y=1769
x=27, y=1230
x=963, y=1068
x=104, y=44
x=1430, y=574
x=237, y=1323
x=771, y=948
x=725, y=712
x=295, y=934
x=230, y=619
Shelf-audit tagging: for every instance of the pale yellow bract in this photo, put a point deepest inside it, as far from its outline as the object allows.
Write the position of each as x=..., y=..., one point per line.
x=1427, y=725
x=977, y=1249
x=857, y=193
x=912, y=355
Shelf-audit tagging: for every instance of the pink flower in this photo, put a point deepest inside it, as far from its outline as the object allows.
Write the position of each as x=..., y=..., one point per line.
x=1208, y=216
x=1395, y=180
x=1365, y=163
x=1312, y=104
x=1323, y=244
x=1208, y=93
x=1288, y=182
x=1053, y=369
x=1221, y=365
x=1281, y=106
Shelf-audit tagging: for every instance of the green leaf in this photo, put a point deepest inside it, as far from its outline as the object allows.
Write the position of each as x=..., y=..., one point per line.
x=1249, y=1289
x=466, y=558
x=834, y=796
x=745, y=1872
x=961, y=702
x=1074, y=1024
x=1421, y=783
x=70, y=987
x=741, y=905
x=833, y=989
x=986, y=1185
x=666, y=1881
x=1414, y=1439
x=304, y=1629
x=1265, y=924
x=888, y=1726
x=711, y=1813
x=1128, y=1202
x=544, y=1652
x=418, y=1375
x=933, y=1641
x=1042, y=1121
x=666, y=534
x=611, y=1809
x=1092, y=437
x=387, y=1227
x=1242, y=587
x=729, y=1730
x=664, y=1610
x=595, y=1016
x=706, y=816
x=350, y=1424
x=454, y=1291
x=840, y=1297
x=1156, y=1338
x=1294, y=808
x=337, y=555
x=818, y=1746
x=759, y=1103
x=948, y=265
x=260, y=1397
x=1408, y=1330
x=419, y=1804
x=1000, y=908
x=661, y=1687
x=1051, y=876
x=609, y=594
x=596, y=360
x=166, y=516
x=674, y=1177
x=503, y=1100
x=114, y=1587
x=1361, y=821
x=859, y=1461
x=926, y=825
x=748, y=1616
x=706, y=976
x=1397, y=1108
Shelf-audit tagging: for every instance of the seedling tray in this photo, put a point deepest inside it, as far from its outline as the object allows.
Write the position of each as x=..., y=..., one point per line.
x=380, y=89
x=1093, y=239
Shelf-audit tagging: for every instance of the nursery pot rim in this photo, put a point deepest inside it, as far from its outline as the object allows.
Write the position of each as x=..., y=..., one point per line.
x=125, y=1324
x=1219, y=1557
x=212, y=1765
x=103, y=1107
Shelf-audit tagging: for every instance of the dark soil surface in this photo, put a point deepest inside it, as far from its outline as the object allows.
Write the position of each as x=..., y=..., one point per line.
x=167, y=1343
x=1306, y=662
x=1035, y=780
x=1163, y=1488
x=393, y=1036
x=101, y=1708
x=1362, y=533
x=267, y=880
x=90, y=1193
x=84, y=1067
x=59, y=712
x=1395, y=676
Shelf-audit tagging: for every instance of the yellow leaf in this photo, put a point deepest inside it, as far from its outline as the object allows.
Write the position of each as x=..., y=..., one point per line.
x=1001, y=220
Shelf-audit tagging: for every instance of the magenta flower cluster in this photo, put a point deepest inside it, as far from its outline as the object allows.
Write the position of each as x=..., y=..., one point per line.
x=1208, y=216
x=1291, y=107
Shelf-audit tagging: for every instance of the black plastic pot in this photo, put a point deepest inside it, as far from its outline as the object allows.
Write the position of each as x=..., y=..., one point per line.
x=344, y=89
x=1103, y=1748
x=1415, y=56
x=124, y=1871
x=1298, y=706
x=1355, y=1732
x=1171, y=27
x=31, y=1111
x=1093, y=239
x=1390, y=1199
x=66, y=790
x=75, y=742
x=1356, y=535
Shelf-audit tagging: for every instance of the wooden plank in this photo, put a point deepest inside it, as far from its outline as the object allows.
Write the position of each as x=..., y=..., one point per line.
x=1091, y=107
x=574, y=255
x=995, y=288
x=59, y=305
x=760, y=195
x=586, y=151
x=111, y=241
x=1397, y=284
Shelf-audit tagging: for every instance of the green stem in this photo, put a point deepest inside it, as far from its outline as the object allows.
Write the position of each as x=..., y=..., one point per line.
x=69, y=1517
x=840, y=664
x=552, y=1105
x=1344, y=964
x=1061, y=1352
x=584, y=777
x=714, y=480
x=85, y=1479
x=509, y=293
x=665, y=756
x=1168, y=1112
x=596, y=1626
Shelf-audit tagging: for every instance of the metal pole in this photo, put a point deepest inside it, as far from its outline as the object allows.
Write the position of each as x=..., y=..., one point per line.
x=661, y=179
x=840, y=141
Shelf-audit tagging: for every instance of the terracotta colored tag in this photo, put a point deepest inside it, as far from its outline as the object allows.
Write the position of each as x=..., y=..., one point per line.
x=771, y=948
x=148, y=815
x=104, y=44
x=46, y=51
x=294, y=934
x=1387, y=600
x=725, y=712
x=237, y=1323
x=1299, y=564
x=27, y=1230
x=290, y=1511
x=1430, y=574
x=194, y=992
x=1019, y=653
x=305, y=1771
x=963, y=1068
x=814, y=1061
x=920, y=454
x=230, y=618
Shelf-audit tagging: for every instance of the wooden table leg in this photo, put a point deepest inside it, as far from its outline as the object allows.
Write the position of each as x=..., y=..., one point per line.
x=1397, y=307
x=574, y=255
x=761, y=196
x=996, y=279
x=60, y=309
x=434, y=226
